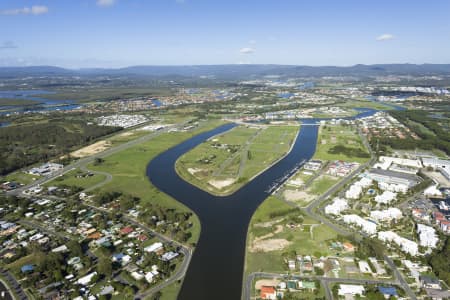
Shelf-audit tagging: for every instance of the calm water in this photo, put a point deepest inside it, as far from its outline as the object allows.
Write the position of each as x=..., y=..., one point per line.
x=157, y=103
x=42, y=103
x=216, y=269
x=217, y=266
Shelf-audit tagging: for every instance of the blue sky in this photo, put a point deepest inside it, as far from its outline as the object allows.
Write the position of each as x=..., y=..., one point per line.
x=116, y=33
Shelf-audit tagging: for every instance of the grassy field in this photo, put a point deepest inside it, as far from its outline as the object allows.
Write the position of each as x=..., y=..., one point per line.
x=100, y=94
x=269, y=223
x=340, y=143
x=226, y=162
x=76, y=178
x=16, y=102
x=363, y=103
x=322, y=184
x=128, y=169
x=20, y=177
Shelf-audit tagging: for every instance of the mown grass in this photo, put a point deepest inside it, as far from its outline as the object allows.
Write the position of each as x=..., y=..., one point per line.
x=301, y=240
x=128, y=169
x=245, y=152
x=71, y=179
x=340, y=137
x=321, y=184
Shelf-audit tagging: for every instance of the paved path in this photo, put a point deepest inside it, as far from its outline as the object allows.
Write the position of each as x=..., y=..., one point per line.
x=186, y=251
x=12, y=285
x=325, y=281
x=310, y=210
x=82, y=162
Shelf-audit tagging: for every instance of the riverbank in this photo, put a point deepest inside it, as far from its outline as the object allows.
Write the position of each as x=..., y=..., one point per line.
x=226, y=162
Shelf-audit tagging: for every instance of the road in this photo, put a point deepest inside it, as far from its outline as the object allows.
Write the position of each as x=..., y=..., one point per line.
x=82, y=165
x=83, y=162
x=108, y=178
x=324, y=280
x=310, y=210
x=11, y=284
x=186, y=251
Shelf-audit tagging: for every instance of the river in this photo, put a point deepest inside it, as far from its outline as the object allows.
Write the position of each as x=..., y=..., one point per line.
x=42, y=103
x=216, y=269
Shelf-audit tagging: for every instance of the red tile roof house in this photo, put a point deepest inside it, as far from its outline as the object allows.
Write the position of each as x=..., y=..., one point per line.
x=438, y=216
x=142, y=238
x=445, y=226
x=126, y=230
x=268, y=292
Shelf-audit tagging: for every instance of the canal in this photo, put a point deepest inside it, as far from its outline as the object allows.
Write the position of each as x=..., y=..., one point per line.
x=217, y=265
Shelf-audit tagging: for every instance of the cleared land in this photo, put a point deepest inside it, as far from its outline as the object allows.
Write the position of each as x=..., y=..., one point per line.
x=298, y=233
x=228, y=161
x=91, y=149
x=77, y=178
x=340, y=143
x=102, y=145
x=128, y=169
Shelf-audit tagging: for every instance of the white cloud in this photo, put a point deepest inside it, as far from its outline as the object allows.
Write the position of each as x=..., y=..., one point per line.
x=8, y=45
x=105, y=3
x=385, y=37
x=247, y=50
x=33, y=10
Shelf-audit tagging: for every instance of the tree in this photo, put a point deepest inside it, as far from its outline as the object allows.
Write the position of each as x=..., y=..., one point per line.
x=104, y=267
x=75, y=248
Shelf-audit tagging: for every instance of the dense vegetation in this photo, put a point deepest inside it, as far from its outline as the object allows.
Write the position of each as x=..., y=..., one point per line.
x=170, y=221
x=433, y=132
x=348, y=151
x=28, y=143
x=441, y=263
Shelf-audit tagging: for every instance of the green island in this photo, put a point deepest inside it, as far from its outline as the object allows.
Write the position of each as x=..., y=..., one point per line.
x=128, y=169
x=228, y=161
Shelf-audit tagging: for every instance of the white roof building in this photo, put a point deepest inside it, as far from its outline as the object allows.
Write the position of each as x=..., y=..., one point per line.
x=386, y=197
x=364, y=267
x=391, y=213
x=404, y=244
x=442, y=165
x=353, y=192
x=364, y=182
x=86, y=279
x=386, y=161
x=402, y=188
x=432, y=190
x=366, y=226
x=350, y=289
x=338, y=206
x=149, y=276
x=153, y=247
x=427, y=236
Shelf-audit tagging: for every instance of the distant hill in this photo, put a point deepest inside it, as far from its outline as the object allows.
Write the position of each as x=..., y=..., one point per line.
x=236, y=71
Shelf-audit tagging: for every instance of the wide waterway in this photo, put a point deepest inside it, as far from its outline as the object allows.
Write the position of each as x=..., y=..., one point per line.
x=217, y=265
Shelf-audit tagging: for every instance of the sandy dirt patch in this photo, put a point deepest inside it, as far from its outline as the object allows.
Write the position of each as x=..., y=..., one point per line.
x=194, y=170
x=269, y=245
x=220, y=184
x=278, y=229
x=268, y=282
x=92, y=149
x=127, y=133
x=324, y=142
x=269, y=223
x=294, y=195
